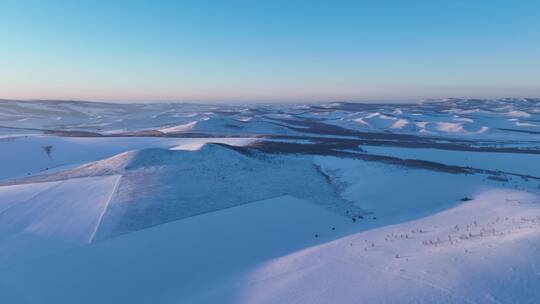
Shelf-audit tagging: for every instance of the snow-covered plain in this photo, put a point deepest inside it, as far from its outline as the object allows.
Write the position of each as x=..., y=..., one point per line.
x=509, y=162
x=436, y=202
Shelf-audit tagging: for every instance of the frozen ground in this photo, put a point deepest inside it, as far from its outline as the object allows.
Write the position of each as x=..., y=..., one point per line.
x=436, y=202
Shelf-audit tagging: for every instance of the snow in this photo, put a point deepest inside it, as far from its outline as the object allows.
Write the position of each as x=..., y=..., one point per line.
x=150, y=193
x=175, y=262
x=382, y=116
x=525, y=124
x=179, y=128
x=360, y=120
x=464, y=119
x=244, y=119
x=162, y=185
x=404, y=196
x=11, y=195
x=463, y=255
x=450, y=127
x=481, y=130
x=67, y=152
x=192, y=145
x=457, y=128
x=486, y=118
x=517, y=113
x=122, y=218
x=268, y=254
x=399, y=124
x=519, y=163
x=371, y=115
x=421, y=124
x=47, y=217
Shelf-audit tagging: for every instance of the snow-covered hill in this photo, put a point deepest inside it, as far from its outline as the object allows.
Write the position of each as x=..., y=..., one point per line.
x=44, y=153
x=482, y=251
x=435, y=202
x=158, y=185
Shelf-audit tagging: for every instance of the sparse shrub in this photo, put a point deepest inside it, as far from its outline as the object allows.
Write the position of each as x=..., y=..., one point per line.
x=48, y=150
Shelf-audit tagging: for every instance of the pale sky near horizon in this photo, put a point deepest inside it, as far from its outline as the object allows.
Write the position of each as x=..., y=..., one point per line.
x=249, y=51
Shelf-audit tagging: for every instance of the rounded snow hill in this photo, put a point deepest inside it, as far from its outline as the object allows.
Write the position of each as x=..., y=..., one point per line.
x=30, y=155
x=159, y=185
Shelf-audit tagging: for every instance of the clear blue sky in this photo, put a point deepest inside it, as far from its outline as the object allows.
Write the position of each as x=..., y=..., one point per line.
x=268, y=50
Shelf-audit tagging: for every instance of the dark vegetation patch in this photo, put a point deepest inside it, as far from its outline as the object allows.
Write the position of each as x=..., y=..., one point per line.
x=519, y=131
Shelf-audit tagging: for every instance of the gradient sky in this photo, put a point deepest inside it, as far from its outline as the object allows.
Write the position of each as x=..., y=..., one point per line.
x=268, y=51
